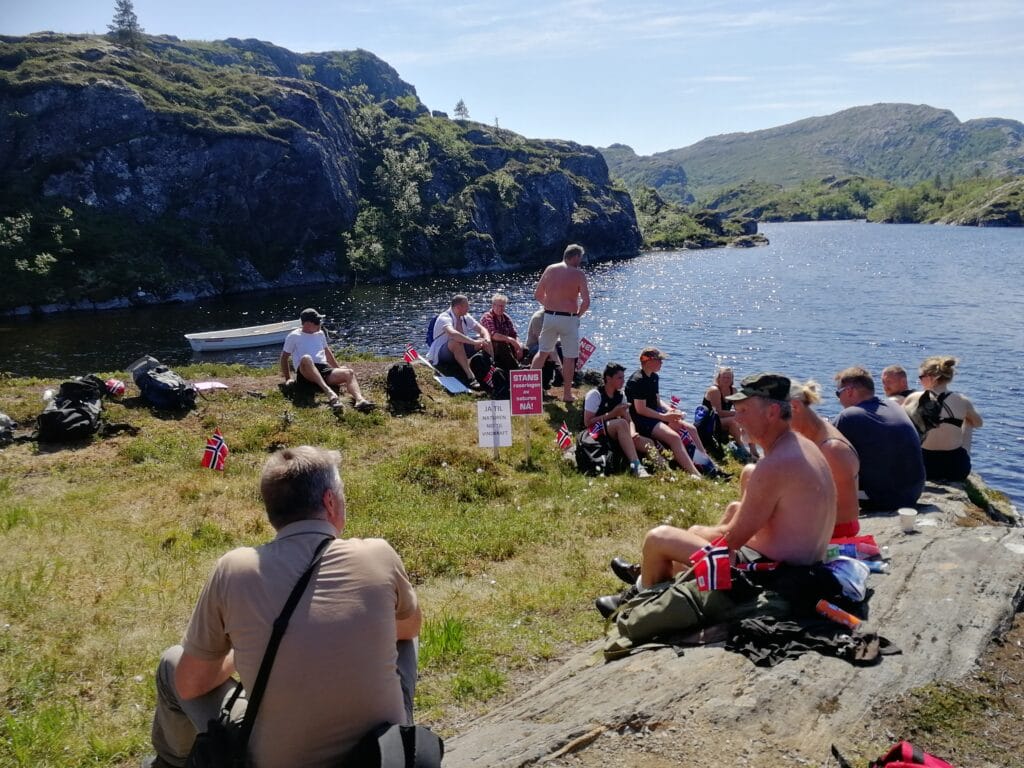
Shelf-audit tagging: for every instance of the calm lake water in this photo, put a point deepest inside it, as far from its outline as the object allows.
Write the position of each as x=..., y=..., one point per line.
x=822, y=296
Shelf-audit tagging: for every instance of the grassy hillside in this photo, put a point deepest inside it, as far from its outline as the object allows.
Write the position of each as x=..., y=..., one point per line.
x=973, y=202
x=900, y=143
x=105, y=546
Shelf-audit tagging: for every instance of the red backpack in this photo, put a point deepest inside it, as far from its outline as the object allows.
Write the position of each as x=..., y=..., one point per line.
x=902, y=755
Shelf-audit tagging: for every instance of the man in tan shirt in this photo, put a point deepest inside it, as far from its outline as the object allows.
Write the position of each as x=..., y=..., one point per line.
x=347, y=662
x=564, y=293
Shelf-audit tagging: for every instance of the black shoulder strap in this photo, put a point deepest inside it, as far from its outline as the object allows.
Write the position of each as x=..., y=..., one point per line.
x=280, y=625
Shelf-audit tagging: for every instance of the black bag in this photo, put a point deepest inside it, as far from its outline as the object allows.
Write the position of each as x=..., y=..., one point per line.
x=493, y=379
x=929, y=413
x=160, y=386
x=398, y=746
x=401, y=387
x=7, y=426
x=74, y=413
x=219, y=745
x=595, y=455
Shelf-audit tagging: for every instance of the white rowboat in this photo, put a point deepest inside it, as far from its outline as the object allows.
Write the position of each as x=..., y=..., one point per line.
x=242, y=338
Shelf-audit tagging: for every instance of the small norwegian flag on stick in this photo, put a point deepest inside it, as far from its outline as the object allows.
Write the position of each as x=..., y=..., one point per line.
x=564, y=437
x=411, y=355
x=596, y=429
x=216, y=452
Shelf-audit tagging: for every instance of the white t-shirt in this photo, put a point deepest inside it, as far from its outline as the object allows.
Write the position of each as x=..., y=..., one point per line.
x=593, y=400
x=299, y=344
x=445, y=322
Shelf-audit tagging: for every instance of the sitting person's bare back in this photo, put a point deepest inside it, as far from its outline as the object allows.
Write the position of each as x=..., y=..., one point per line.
x=791, y=494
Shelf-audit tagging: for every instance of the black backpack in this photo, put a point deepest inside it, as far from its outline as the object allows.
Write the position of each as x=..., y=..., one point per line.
x=929, y=413
x=7, y=426
x=74, y=413
x=401, y=387
x=595, y=455
x=494, y=380
x=161, y=387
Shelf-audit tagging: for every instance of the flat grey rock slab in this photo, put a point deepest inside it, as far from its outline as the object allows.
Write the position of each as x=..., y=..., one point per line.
x=953, y=584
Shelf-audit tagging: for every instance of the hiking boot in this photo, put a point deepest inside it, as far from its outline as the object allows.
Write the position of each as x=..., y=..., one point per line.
x=365, y=406
x=627, y=572
x=336, y=405
x=638, y=470
x=607, y=604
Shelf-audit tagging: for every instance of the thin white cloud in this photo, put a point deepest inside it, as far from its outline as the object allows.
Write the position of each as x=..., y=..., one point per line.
x=573, y=27
x=907, y=54
x=719, y=79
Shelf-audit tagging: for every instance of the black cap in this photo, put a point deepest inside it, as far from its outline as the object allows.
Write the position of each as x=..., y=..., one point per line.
x=772, y=386
x=310, y=315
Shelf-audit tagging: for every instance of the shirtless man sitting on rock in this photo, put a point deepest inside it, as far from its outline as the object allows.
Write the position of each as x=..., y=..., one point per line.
x=563, y=292
x=787, y=507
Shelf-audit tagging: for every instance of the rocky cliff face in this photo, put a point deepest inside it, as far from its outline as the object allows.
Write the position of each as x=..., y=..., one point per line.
x=187, y=169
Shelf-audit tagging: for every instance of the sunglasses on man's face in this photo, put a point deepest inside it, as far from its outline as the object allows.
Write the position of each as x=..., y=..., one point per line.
x=839, y=392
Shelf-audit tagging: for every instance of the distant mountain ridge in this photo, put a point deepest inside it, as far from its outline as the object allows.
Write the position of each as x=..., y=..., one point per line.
x=901, y=143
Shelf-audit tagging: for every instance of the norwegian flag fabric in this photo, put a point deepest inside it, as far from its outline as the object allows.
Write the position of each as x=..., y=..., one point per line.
x=712, y=570
x=411, y=355
x=596, y=429
x=763, y=565
x=564, y=437
x=711, y=566
x=489, y=376
x=676, y=402
x=216, y=452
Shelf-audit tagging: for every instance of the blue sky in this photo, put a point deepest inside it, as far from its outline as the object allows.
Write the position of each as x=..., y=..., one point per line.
x=653, y=74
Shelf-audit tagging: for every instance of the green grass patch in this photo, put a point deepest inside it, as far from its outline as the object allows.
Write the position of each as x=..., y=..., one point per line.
x=105, y=547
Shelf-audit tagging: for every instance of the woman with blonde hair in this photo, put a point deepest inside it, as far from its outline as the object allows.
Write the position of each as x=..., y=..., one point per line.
x=840, y=455
x=945, y=420
x=724, y=425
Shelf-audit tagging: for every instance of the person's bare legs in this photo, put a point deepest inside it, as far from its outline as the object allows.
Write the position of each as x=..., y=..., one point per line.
x=346, y=377
x=666, y=551
x=668, y=437
x=568, y=373
x=309, y=372
x=619, y=429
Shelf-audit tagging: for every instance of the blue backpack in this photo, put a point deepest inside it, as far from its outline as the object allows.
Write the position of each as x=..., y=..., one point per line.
x=430, y=330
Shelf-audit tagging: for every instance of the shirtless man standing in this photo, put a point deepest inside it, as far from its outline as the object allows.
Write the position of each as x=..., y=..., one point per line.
x=564, y=294
x=787, y=507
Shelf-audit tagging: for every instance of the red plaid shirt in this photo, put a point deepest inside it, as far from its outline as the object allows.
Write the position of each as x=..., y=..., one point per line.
x=498, y=324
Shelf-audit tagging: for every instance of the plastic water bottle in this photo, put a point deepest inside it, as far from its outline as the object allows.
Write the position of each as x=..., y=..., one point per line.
x=877, y=566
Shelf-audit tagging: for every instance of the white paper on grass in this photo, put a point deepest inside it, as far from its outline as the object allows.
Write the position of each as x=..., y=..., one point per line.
x=453, y=385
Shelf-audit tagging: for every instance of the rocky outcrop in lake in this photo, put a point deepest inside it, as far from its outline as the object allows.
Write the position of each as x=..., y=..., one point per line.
x=192, y=169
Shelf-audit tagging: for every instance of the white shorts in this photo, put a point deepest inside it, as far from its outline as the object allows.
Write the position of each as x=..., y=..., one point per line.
x=565, y=328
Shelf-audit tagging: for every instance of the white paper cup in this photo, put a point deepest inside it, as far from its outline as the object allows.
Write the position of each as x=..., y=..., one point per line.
x=908, y=517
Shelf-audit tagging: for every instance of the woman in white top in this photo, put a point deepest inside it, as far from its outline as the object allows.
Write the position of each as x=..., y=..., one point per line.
x=944, y=446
